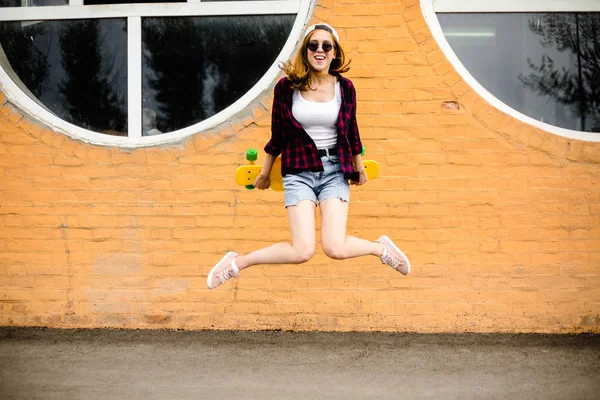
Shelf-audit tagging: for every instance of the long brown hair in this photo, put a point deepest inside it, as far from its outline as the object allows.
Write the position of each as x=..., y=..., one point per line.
x=298, y=70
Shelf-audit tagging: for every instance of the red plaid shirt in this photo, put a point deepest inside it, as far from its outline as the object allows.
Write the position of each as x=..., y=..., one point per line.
x=298, y=151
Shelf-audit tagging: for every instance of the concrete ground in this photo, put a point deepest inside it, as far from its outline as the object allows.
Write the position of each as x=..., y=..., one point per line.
x=122, y=364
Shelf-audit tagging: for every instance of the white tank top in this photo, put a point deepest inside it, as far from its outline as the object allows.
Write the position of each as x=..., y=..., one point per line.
x=318, y=119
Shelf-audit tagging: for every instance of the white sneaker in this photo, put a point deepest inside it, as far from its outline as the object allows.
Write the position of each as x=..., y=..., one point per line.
x=393, y=257
x=223, y=271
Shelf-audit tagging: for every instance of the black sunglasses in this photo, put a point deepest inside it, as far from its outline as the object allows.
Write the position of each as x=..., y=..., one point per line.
x=313, y=45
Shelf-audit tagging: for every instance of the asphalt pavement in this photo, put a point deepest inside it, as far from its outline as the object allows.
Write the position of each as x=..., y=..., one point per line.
x=37, y=363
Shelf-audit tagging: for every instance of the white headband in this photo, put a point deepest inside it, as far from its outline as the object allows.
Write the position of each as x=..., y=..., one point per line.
x=325, y=27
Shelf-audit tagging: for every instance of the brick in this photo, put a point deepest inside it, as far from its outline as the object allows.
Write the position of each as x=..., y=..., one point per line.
x=15, y=117
x=416, y=59
x=25, y=125
x=396, y=46
x=417, y=25
x=421, y=82
x=6, y=109
x=52, y=139
x=17, y=137
x=412, y=13
x=420, y=107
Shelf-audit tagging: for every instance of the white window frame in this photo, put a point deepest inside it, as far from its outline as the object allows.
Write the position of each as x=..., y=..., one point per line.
x=134, y=14
x=432, y=7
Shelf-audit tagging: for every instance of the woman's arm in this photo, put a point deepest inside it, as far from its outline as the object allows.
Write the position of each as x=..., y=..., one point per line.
x=273, y=147
x=353, y=133
x=354, y=138
x=263, y=180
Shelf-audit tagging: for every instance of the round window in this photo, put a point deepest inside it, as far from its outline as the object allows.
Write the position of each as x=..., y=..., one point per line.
x=142, y=74
x=539, y=61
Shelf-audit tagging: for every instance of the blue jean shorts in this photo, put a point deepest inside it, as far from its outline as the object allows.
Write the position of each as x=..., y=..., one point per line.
x=317, y=186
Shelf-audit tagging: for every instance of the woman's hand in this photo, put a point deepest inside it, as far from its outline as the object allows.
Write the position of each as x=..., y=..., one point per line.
x=362, y=178
x=360, y=168
x=262, y=181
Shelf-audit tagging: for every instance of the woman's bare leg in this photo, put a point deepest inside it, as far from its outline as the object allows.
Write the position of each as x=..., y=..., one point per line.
x=336, y=244
x=302, y=248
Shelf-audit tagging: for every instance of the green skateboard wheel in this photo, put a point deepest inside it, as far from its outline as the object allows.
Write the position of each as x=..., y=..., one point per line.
x=251, y=155
x=249, y=187
x=364, y=149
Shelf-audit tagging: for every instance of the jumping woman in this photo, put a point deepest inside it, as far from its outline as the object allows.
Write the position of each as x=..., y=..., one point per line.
x=314, y=129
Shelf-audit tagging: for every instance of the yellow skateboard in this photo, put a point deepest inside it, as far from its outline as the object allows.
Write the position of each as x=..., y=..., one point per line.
x=245, y=175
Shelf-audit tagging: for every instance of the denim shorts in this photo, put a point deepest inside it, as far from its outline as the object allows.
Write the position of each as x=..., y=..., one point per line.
x=317, y=186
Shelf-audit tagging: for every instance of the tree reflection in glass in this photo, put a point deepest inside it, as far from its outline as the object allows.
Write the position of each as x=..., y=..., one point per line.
x=196, y=67
x=544, y=65
x=577, y=88
x=90, y=86
x=76, y=69
x=30, y=63
x=32, y=3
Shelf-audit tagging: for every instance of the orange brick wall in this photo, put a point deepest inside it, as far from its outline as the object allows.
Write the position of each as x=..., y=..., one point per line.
x=501, y=220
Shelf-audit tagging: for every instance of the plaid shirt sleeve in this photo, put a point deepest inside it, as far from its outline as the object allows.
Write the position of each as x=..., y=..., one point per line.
x=353, y=134
x=273, y=147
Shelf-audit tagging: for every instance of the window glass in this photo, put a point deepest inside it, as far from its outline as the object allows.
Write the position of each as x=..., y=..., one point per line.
x=32, y=3
x=194, y=67
x=77, y=69
x=97, y=2
x=545, y=65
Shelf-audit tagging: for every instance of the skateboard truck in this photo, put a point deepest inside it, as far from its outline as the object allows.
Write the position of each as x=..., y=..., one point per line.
x=251, y=155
